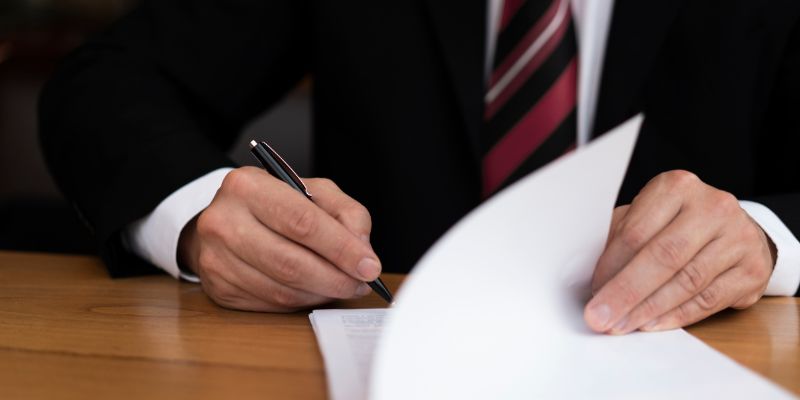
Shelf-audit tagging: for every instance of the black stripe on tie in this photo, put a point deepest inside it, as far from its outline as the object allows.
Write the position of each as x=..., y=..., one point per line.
x=531, y=91
x=552, y=148
x=522, y=22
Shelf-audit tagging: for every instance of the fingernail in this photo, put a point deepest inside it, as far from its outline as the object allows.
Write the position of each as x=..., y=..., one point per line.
x=619, y=328
x=368, y=268
x=650, y=325
x=601, y=314
x=363, y=290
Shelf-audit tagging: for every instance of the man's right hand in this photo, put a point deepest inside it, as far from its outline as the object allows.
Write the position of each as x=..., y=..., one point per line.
x=262, y=246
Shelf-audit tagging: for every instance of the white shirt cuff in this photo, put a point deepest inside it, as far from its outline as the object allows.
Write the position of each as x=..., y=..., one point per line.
x=155, y=237
x=786, y=275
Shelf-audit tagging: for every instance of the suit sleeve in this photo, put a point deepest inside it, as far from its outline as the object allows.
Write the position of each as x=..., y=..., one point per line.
x=151, y=104
x=778, y=150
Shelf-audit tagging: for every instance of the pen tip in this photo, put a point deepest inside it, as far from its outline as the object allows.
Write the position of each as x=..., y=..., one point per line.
x=253, y=143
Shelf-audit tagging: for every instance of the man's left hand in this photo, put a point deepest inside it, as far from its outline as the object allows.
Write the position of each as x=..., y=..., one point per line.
x=681, y=251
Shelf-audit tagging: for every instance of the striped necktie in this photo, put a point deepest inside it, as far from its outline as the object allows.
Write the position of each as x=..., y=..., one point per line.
x=530, y=102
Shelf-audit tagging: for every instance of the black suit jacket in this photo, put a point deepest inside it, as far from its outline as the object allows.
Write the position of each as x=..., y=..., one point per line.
x=152, y=103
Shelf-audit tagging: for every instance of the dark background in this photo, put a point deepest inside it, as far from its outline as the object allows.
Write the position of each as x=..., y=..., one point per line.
x=34, y=36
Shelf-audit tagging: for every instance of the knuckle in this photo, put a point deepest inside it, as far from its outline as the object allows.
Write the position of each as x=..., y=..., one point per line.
x=321, y=184
x=238, y=181
x=356, y=211
x=287, y=268
x=668, y=251
x=683, y=314
x=619, y=213
x=680, y=178
x=753, y=234
x=757, y=272
x=633, y=236
x=763, y=272
x=303, y=222
x=211, y=223
x=638, y=198
x=724, y=203
x=691, y=278
x=327, y=183
x=286, y=298
x=650, y=308
x=708, y=299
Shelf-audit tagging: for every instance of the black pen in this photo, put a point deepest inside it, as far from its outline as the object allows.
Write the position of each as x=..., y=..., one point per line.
x=275, y=165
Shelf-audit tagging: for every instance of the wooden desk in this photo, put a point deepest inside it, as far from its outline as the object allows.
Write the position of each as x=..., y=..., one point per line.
x=68, y=331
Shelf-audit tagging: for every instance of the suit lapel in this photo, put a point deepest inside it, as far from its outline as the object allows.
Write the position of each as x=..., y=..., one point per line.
x=460, y=26
x=637, y=31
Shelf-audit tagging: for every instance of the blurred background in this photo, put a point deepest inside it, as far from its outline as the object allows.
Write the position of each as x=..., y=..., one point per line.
x=34, y=36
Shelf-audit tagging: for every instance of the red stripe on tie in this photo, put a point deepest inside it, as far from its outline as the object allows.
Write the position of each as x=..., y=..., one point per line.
x=510, y=7
x=531, y=131
x=525, y=42
x=523, y=75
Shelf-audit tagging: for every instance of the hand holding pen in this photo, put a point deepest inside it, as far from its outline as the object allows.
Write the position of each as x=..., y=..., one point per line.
x=277, y=166
x=261, y=246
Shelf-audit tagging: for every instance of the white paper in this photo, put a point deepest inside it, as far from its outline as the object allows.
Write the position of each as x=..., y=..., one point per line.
x=494, y=310
x=347, y=339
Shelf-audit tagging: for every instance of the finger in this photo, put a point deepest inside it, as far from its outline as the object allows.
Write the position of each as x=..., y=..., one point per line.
x=342, y=207
x=227, y=295
x=648, y=214
x=280, y=296
x=287, y=212
x=653, y=266
x=291, y=264
x=714, y=259
x=231, y=283
x=719, y=295
x=217, y=283
x=616, y=217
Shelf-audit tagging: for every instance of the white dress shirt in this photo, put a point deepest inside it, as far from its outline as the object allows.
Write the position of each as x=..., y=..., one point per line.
x=155, y=237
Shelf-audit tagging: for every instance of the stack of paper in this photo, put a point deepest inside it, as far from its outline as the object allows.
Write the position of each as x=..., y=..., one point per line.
x=495, y=308
x=347, y=339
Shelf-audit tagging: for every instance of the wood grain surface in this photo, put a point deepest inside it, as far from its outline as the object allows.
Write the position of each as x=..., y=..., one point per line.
x=68, y=331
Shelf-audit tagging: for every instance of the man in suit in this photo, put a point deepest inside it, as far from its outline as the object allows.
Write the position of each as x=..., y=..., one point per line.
x=421, y=110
